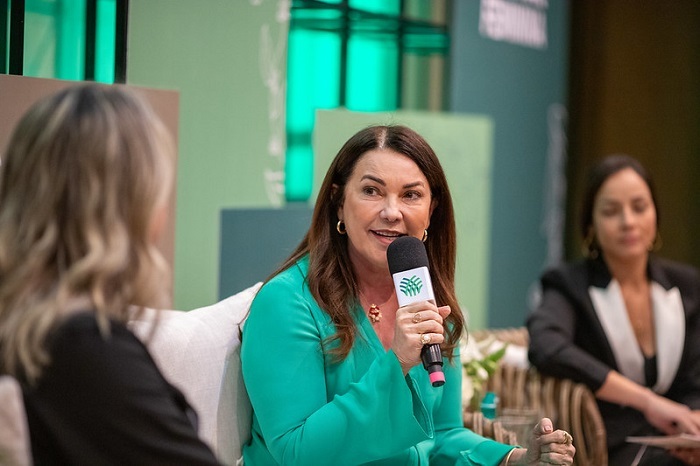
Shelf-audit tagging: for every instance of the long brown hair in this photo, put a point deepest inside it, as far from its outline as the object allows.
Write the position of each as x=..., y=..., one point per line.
x=84, y=173
x=330, y=278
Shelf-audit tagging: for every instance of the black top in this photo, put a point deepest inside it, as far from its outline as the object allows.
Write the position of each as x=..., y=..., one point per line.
x=651, y=373
x=103, y=401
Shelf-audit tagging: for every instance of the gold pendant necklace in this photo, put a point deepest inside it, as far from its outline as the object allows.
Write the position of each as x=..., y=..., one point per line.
x=375, y=314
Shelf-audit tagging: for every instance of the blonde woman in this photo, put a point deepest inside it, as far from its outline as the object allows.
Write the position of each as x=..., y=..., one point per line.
x=83, y=189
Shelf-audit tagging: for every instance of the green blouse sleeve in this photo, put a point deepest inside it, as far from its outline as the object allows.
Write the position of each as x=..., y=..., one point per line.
x=300, y=421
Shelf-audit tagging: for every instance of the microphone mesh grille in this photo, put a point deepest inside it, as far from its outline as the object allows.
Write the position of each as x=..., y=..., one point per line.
x=405, y=253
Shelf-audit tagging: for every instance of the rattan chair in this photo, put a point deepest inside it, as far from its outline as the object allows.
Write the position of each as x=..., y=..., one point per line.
x=488, y=428
x=571, y=406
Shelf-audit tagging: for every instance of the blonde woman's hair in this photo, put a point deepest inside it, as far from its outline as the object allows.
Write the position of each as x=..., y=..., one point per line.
x=84, y=173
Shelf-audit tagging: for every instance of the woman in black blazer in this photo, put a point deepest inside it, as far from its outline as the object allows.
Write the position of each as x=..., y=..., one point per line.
x=623, y=322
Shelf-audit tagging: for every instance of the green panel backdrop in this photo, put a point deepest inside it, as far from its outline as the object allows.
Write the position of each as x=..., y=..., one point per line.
x=228, y=61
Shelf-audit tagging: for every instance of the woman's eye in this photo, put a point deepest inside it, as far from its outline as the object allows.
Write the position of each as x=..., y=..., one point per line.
x=413, y=195
x=640, y=207
x=369, y=190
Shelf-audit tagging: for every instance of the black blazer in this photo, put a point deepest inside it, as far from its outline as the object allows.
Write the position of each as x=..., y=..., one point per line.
x=567, y=339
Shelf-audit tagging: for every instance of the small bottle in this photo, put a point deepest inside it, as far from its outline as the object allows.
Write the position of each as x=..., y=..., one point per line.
x=489, y=405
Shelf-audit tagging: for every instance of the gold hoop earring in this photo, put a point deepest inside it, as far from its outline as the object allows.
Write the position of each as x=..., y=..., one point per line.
x=657, y=243
x=588, y=247
x=340, y=227
x=425, y=235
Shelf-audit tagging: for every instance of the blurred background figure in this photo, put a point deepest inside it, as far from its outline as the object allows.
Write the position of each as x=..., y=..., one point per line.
x=622, y=321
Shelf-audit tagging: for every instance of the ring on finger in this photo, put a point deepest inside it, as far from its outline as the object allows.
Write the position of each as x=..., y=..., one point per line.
x=425, y=338
x=568, y=439
x=416, y=318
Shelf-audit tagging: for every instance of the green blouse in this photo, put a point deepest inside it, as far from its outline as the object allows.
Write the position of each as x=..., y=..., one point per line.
x=308, y=409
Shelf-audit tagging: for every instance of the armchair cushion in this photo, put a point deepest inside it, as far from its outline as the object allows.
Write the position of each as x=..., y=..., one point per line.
x=14, y=433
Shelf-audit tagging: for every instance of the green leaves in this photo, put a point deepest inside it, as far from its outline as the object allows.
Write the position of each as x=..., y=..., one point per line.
x=478, y=371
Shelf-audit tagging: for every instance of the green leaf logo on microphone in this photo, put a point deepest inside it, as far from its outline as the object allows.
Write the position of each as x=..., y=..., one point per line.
x=411, y=286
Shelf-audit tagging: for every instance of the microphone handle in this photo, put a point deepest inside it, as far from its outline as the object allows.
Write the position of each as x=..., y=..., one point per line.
x=431, y=356
x=432, y=362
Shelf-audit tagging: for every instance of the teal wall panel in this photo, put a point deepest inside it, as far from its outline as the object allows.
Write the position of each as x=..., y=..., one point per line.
x=255, y=242
x=499, y=69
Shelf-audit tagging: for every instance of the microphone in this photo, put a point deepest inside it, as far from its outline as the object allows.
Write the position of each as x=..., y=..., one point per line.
x=408, y=264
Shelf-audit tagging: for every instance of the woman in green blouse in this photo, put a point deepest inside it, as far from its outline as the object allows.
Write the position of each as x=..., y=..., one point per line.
x=332, y=363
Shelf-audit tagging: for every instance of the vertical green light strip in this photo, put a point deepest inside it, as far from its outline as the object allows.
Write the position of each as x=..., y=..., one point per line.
x=105, y=40
x=313, y=78
x=372, y=74
x=4, y=35
x=70, y=39
x=373, y=60
x=313, y=75
x=386, y=7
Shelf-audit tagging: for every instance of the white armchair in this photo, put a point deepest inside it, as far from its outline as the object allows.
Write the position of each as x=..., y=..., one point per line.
x=14, y=433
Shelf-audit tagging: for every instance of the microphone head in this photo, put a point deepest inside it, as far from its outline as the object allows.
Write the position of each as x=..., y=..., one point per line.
x=406, y=253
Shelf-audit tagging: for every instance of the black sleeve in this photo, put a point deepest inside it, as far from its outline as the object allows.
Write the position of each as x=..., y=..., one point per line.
x=686, y=386
x=553, y=328
x=104, y=401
